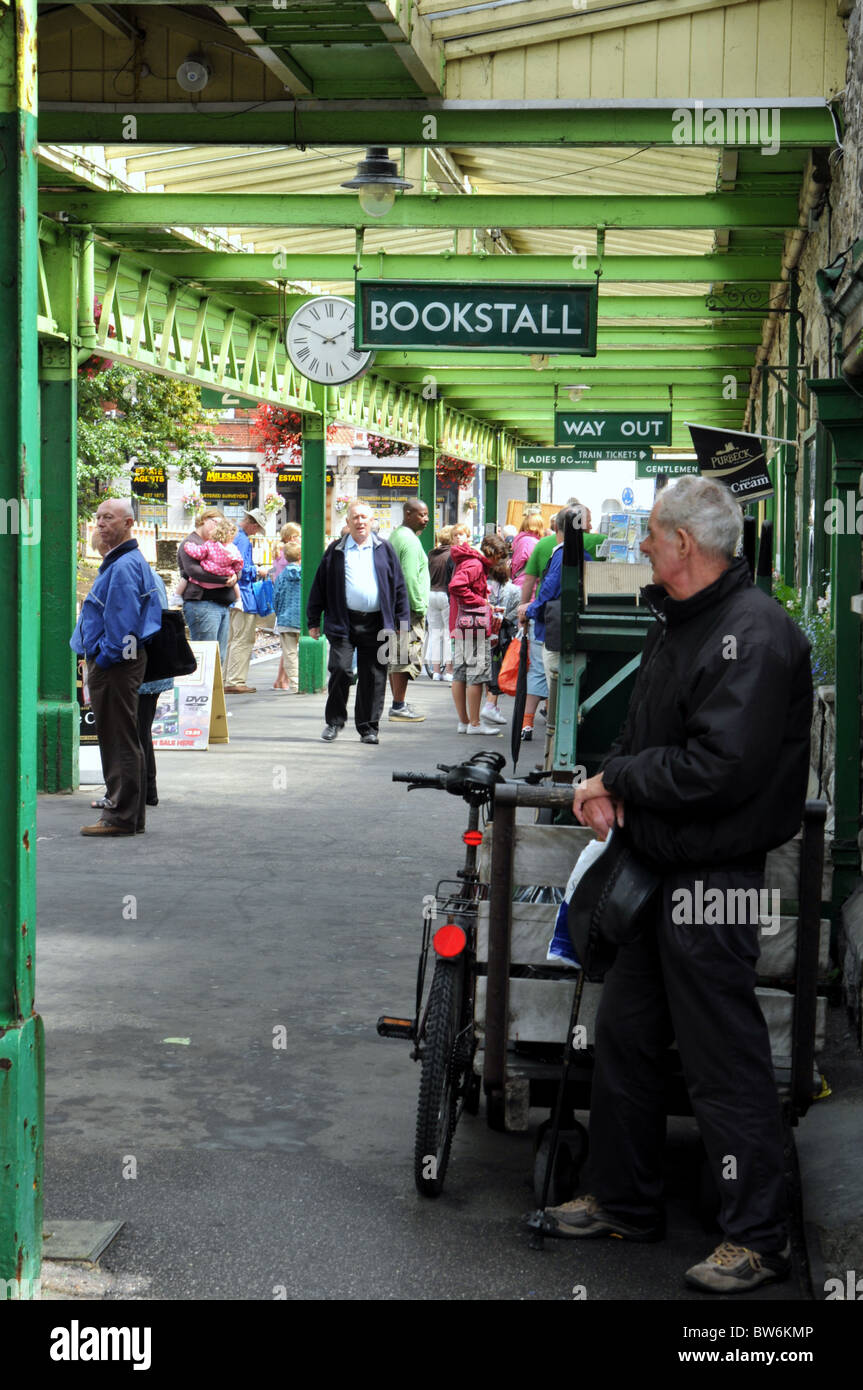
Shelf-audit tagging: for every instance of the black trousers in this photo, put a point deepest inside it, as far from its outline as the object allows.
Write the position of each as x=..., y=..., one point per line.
x=146, y=714
x=695, y=982
x=364, y=636
x=114, y=701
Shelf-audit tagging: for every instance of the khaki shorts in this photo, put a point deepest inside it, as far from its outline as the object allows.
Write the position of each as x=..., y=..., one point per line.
x=410, y=648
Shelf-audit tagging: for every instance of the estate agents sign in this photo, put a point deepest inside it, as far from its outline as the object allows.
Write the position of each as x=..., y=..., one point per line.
x=491, y=316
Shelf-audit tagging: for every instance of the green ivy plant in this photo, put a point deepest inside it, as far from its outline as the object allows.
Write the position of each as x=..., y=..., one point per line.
x=816, y=626
x=159, y=421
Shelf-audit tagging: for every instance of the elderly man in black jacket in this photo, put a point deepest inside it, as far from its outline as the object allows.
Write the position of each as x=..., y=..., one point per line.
x=360, y=589
x=708, y=774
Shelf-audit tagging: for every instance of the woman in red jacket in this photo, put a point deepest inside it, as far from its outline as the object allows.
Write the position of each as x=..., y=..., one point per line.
x=468, y=601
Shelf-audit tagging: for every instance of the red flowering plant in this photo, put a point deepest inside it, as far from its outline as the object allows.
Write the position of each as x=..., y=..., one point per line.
x=278, y=435
x=92, y=366
x=386, y=448
x=451, y=470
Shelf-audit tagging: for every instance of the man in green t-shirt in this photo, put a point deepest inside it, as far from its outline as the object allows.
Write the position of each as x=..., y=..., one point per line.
x=405, y=541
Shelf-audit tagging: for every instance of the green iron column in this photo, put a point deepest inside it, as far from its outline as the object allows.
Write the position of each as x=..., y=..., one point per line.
x=427, y=490
x=789, y=451
x=21, y=1036
x=313, y=514
x=840, y=412
x=769, y=502
x=779, y=461
x=492, y=473
x=57, y=709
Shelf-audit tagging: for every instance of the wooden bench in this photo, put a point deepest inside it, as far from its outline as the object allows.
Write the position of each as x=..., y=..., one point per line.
x=522, y=999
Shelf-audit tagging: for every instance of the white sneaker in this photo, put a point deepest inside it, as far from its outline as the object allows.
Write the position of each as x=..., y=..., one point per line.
x=462, y=728
x=448, y=677
x=437, y=676
x=478, y=729
x=492, y=714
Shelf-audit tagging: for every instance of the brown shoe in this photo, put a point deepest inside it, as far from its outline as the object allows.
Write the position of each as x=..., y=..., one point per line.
x=240, y=689
x=102, y=828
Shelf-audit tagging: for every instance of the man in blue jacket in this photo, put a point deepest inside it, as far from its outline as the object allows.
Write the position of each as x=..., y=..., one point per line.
x=360, y=589
x=244, y=622
x=119, y=615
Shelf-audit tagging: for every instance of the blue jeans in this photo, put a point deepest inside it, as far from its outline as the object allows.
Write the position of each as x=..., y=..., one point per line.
x=209, y=622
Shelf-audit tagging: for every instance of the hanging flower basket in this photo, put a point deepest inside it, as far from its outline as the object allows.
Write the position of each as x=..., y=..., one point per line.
x=451, y=470
x=341, y=504
x=192, y=501
x=272, y=503
x=278, y=435
x=471, y=504
x=386, y=448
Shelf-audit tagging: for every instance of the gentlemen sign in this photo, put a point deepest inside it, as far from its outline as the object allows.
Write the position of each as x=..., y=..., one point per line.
x=497, y=317
x=612, y=428
x=671, y=468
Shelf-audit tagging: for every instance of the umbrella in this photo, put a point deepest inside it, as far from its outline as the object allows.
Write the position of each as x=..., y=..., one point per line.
x=519, y=700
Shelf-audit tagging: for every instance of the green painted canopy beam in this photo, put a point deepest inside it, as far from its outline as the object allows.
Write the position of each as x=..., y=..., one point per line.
x=239, y=266
x=705, y=210
x=639, y=311
x=805, y=122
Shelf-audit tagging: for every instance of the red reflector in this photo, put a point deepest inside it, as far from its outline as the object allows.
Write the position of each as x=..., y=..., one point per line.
x=472, y=837
x=449, y=940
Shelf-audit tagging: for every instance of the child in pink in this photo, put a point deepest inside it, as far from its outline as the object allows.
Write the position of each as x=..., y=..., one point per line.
x=218, y=557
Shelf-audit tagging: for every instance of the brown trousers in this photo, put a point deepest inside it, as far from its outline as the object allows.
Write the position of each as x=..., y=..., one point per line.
x=114, y=701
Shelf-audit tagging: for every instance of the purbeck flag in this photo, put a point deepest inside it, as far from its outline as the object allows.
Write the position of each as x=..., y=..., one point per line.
x=732, y=458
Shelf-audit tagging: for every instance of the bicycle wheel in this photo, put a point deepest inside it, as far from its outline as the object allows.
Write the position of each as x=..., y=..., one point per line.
x=443, y=1068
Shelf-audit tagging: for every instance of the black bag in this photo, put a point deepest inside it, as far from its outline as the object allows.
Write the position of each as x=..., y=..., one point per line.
x=610, y=906
x=552, y=624
x=168, y=651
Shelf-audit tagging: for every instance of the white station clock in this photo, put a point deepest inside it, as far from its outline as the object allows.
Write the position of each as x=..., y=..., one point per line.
x=320, y=341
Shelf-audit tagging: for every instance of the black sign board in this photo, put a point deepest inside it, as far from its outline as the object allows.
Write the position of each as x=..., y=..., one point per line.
x=150, y=484
x=229, y=484
x=289, y=478
x=405, y=484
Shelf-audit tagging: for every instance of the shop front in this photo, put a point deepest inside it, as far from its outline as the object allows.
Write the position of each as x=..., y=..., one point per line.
x=289, y=486
x=385, y=490
x=150, y=495
x=232, y=490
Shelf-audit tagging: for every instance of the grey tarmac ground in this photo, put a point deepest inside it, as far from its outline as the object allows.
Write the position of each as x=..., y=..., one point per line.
x=262, y=1170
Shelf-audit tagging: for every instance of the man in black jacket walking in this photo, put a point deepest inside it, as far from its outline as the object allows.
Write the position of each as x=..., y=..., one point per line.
x=360, y=589
x=709, y=773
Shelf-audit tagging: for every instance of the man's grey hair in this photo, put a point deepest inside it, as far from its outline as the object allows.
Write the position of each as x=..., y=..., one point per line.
x=707, y=510
x=121, y=504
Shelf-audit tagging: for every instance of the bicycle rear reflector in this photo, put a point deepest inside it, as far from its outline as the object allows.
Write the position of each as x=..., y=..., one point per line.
x=472, y=837
x=449, y=940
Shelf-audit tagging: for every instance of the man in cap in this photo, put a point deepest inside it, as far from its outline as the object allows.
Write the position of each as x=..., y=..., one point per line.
x=245, y=622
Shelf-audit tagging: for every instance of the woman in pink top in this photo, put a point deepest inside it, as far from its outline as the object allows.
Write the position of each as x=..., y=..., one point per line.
x=532, y=527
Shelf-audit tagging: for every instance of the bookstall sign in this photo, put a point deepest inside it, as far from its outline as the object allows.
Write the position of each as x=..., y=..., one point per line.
x=531, y=317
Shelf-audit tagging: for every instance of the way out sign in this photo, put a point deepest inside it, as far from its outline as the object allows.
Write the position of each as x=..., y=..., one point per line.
x=612, y=428
x=494, y=316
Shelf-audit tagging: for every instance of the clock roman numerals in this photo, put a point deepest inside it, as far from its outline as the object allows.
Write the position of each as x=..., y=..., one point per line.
x=319, y=341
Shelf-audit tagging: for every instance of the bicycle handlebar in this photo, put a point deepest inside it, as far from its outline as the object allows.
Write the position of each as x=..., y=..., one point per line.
x=422, y=779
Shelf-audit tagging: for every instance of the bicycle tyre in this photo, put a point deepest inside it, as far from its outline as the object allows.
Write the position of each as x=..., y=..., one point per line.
x=440, y=1080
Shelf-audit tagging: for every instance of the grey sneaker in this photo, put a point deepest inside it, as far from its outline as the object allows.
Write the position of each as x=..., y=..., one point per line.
x=737, y=1269
x=408, y=714
x=585, y=1217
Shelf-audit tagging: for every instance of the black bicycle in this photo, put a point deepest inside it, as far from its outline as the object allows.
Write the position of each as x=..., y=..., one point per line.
x=442, y=1029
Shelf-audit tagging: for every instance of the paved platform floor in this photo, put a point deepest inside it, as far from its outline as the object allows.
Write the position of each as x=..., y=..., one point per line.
x=279, y=885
